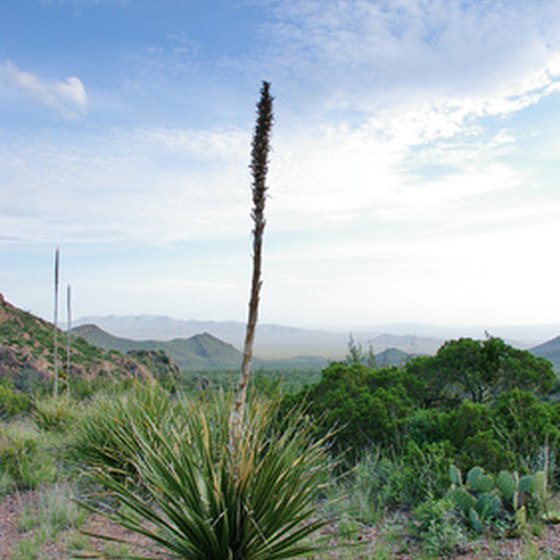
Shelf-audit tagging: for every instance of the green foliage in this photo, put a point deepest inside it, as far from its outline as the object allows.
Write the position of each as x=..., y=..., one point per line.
x=203, y=503
x=368, y=407
x=96, y=440
x=480, y=371
x=24, y=462
x=436, y=526
x=524, y=424
x=461, y=400
x=54, y=414
x=381, y=481
x=12, y=402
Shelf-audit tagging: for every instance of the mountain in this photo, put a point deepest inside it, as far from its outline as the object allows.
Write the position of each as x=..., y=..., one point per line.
x=26, y=353
x=199, y=352
x=273, y=342
x=549, y=350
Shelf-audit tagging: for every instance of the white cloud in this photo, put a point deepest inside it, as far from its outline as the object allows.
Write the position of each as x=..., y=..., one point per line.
x=67, y=97
x=442, y=62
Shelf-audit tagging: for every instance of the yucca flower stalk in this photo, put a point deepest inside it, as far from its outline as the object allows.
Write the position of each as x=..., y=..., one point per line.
x=68, y=335
x=55, y=321
x=259, y=169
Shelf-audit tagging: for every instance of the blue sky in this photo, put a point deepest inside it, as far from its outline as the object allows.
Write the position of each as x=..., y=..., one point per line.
x=414, y=173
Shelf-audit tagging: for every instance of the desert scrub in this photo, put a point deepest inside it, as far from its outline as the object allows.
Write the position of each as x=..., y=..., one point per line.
x=438, y=529
x=54, y=511
x=12, y=402
x=25, y=460
x=54, y=413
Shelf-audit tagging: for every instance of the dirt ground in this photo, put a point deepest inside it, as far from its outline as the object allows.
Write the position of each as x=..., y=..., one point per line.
x=544, y=546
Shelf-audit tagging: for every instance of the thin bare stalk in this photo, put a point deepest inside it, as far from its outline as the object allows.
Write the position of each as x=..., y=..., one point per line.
x=259, y=168
x=68, y=327
x=55, y=321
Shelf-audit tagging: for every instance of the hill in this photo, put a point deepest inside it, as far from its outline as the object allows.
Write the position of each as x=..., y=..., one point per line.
x=199, y=352
x=549, y=350
x=26, y=353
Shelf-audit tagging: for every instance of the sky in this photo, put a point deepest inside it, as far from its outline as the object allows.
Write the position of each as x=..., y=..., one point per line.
x=413, y=177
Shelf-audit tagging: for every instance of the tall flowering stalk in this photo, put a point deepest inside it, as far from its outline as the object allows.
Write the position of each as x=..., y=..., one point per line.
x=68, y=335
x=55, y=321
x=259, y=168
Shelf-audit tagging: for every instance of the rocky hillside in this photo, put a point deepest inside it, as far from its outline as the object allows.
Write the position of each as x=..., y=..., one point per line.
x=26, y=352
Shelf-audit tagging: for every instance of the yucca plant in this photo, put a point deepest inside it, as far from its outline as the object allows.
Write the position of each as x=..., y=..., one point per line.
x=222, y=483
x=97, y=439
x=197, y=504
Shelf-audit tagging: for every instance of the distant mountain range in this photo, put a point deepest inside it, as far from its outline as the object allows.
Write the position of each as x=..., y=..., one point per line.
x=206, y=352
x=143, y=344
x=273, y=342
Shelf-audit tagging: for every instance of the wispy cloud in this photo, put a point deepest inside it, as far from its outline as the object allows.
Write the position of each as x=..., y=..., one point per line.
x=442, y=63
x=67, y=97
x=148, y=185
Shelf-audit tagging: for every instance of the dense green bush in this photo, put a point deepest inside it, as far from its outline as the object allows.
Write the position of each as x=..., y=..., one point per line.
x=482, y=401
x=480, y=371
x=367, y=407
x=525, y=424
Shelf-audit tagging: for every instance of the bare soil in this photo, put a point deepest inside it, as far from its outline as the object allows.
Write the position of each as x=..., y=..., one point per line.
x=544, y=546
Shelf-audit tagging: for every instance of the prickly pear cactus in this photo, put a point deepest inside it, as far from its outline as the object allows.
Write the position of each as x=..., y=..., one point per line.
x=463, y=499
x=508, y=498
x=455, y=476
x=479, y=481
x=506, y=484
x=475, y=521
x=488, y=506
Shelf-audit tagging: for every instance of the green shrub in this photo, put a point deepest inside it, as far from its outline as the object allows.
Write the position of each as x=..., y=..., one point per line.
x=524, y=424
x=437, y=527
x=24, y=464
x=382, y=481
x=485, y=449
x=12, y=403
x=204, y=502
x=54, y=413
